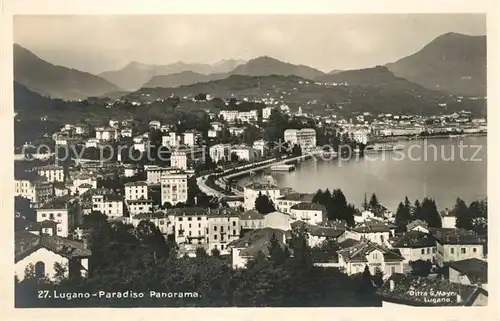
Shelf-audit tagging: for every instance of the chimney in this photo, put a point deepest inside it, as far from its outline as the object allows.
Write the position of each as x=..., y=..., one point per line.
x=391, y=285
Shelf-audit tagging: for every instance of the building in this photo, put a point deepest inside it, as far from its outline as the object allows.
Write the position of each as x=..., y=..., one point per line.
x=129, y=170
x=108, y=204
x=127, y=132
x=252, y=191
x=154, y=173
x=448, y=219
x=138, y=206
x=400, y=290
x=361, y=136
x=174, y=188
x=354, y=259
x=260, y=146
x=170, y=139
x=235, y=202
x=456, y=245
x=253, y=243
x=312, y=213
x=229, y=115
x=82, y=129
x=155, y=124
x=248, y=116
x=220, y=152
x=63, y=211
x=469, y=271
x=42, y=252
x=251, y=220
x=375, y=231
x=305, y=138
x=278, y=220
x=178, y=159
x=416, y=245
x=136, y=191
x=37, y=190
x=236, y=131
x=284, y=203
x=192, y=138
x=266, y=112
x=106, y=133
x=160, y=219
x=317, y=235
x=245, y=153
x=190, y=225
x=223, y=228
x=53, y=173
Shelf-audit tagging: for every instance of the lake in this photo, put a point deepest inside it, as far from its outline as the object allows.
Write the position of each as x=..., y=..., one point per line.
x=443, y=169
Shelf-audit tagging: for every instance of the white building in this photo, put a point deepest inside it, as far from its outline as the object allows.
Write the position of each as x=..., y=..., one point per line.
x=108, y=204
x=251, y=192
x=190, y=225
x=311, y=213
x=155, y=124
x=106, y=133
x=138, y=206
x=261, y=146
x=42, y=252
x=375, y=231
x=154, y=173
x=37, y=191
x=192, y=138
x=456, y=245
x=305, y=138
x=251, y=220
x=126, y=132
x=284, y=203
x=266, y=112
x=278, y=220
x=236, y=131
x=229, y=115
x=416, y=245
x=170, y=139
x=178, y=159
x=136, y=191
x=220, y=152
x=361, y=136
x=245, y=153
x=223, y=228
x=248, y=116
x=162, y=220
x=174, y=188
x=60, y=211
x=53, y=173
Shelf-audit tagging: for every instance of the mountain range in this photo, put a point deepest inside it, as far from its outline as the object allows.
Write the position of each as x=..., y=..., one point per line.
x=56, y=81
x=452, y=63
x=135, y=74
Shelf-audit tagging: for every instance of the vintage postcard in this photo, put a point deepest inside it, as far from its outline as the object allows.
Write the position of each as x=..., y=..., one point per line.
x=267, y=159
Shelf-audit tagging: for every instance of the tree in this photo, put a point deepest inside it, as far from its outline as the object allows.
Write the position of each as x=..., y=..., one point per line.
x=59, y=272
x=365, y=203
x=373, y=201
x=429, y=213
x=296, y=150
x=378, y=278
x=234, y=157
x=215, y=252
x=421, y=267
x=463, y=217
x=416, y=212
x=403, y=217
x=276, y=252
x=201, y=252
x=263, y=204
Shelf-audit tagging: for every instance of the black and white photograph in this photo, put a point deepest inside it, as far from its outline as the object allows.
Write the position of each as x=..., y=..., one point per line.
x=250, y=160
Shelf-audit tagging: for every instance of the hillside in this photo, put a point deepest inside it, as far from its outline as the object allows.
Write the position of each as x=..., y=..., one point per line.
x=406, y=97
x=181, y=79
x=135, y=75
x=266, y=66
x=56, y=81
x=453, y=62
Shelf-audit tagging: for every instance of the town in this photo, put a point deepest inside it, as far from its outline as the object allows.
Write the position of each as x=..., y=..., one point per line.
x=80, y=186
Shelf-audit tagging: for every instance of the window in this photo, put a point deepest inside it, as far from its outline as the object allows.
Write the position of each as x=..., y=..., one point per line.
x=180, y=219
x=59, y=215
x=44, y=215
x=51, y=216
x=452, y=251
x=161, y=222
x=222, y=247
x=190, y=233
x=199, y=218
x=234, y=223
x=215, y=236
x=234, y=232
x=428, y=251
x=199, y=225
x=189, y=225
x=222, y=229
x=474, y=250
x=463, y=250
x=422, y=251
x=190, y=218
x=39, y=269
x=215, y=228
x=393, y=269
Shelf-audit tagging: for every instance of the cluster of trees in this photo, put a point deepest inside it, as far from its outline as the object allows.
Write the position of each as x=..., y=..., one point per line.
x=425, y=211
x=263, y=204
x=473, y=217
x=336, y=205
x=140, y=259
x=374, y=205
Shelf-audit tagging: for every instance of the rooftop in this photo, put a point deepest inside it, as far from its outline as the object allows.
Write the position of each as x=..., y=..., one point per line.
x=298, y=197
x=305, y=206
x=27, y=243
x=251, y=215
x=58, y=203
x=320, y=231
x=50, y=167
x=415, y=239
x=260, y=186
x=358, y=252
x=223, y=212
x=138, y=183
x=475, y=269
x=188, y=211
x=257, y=241
x=456, y=236
x=373, y=226
x=406, y=285
x=146, y=216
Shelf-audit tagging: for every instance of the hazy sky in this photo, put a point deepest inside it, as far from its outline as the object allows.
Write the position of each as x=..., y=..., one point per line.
x=326, y=42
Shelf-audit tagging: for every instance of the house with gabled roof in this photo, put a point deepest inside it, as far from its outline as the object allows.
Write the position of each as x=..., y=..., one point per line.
x=354, y=259
x=375, y=231
x=456, y=245
x=415, y=245
x=409, y=290
x=469, y=271
x=41, y=252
